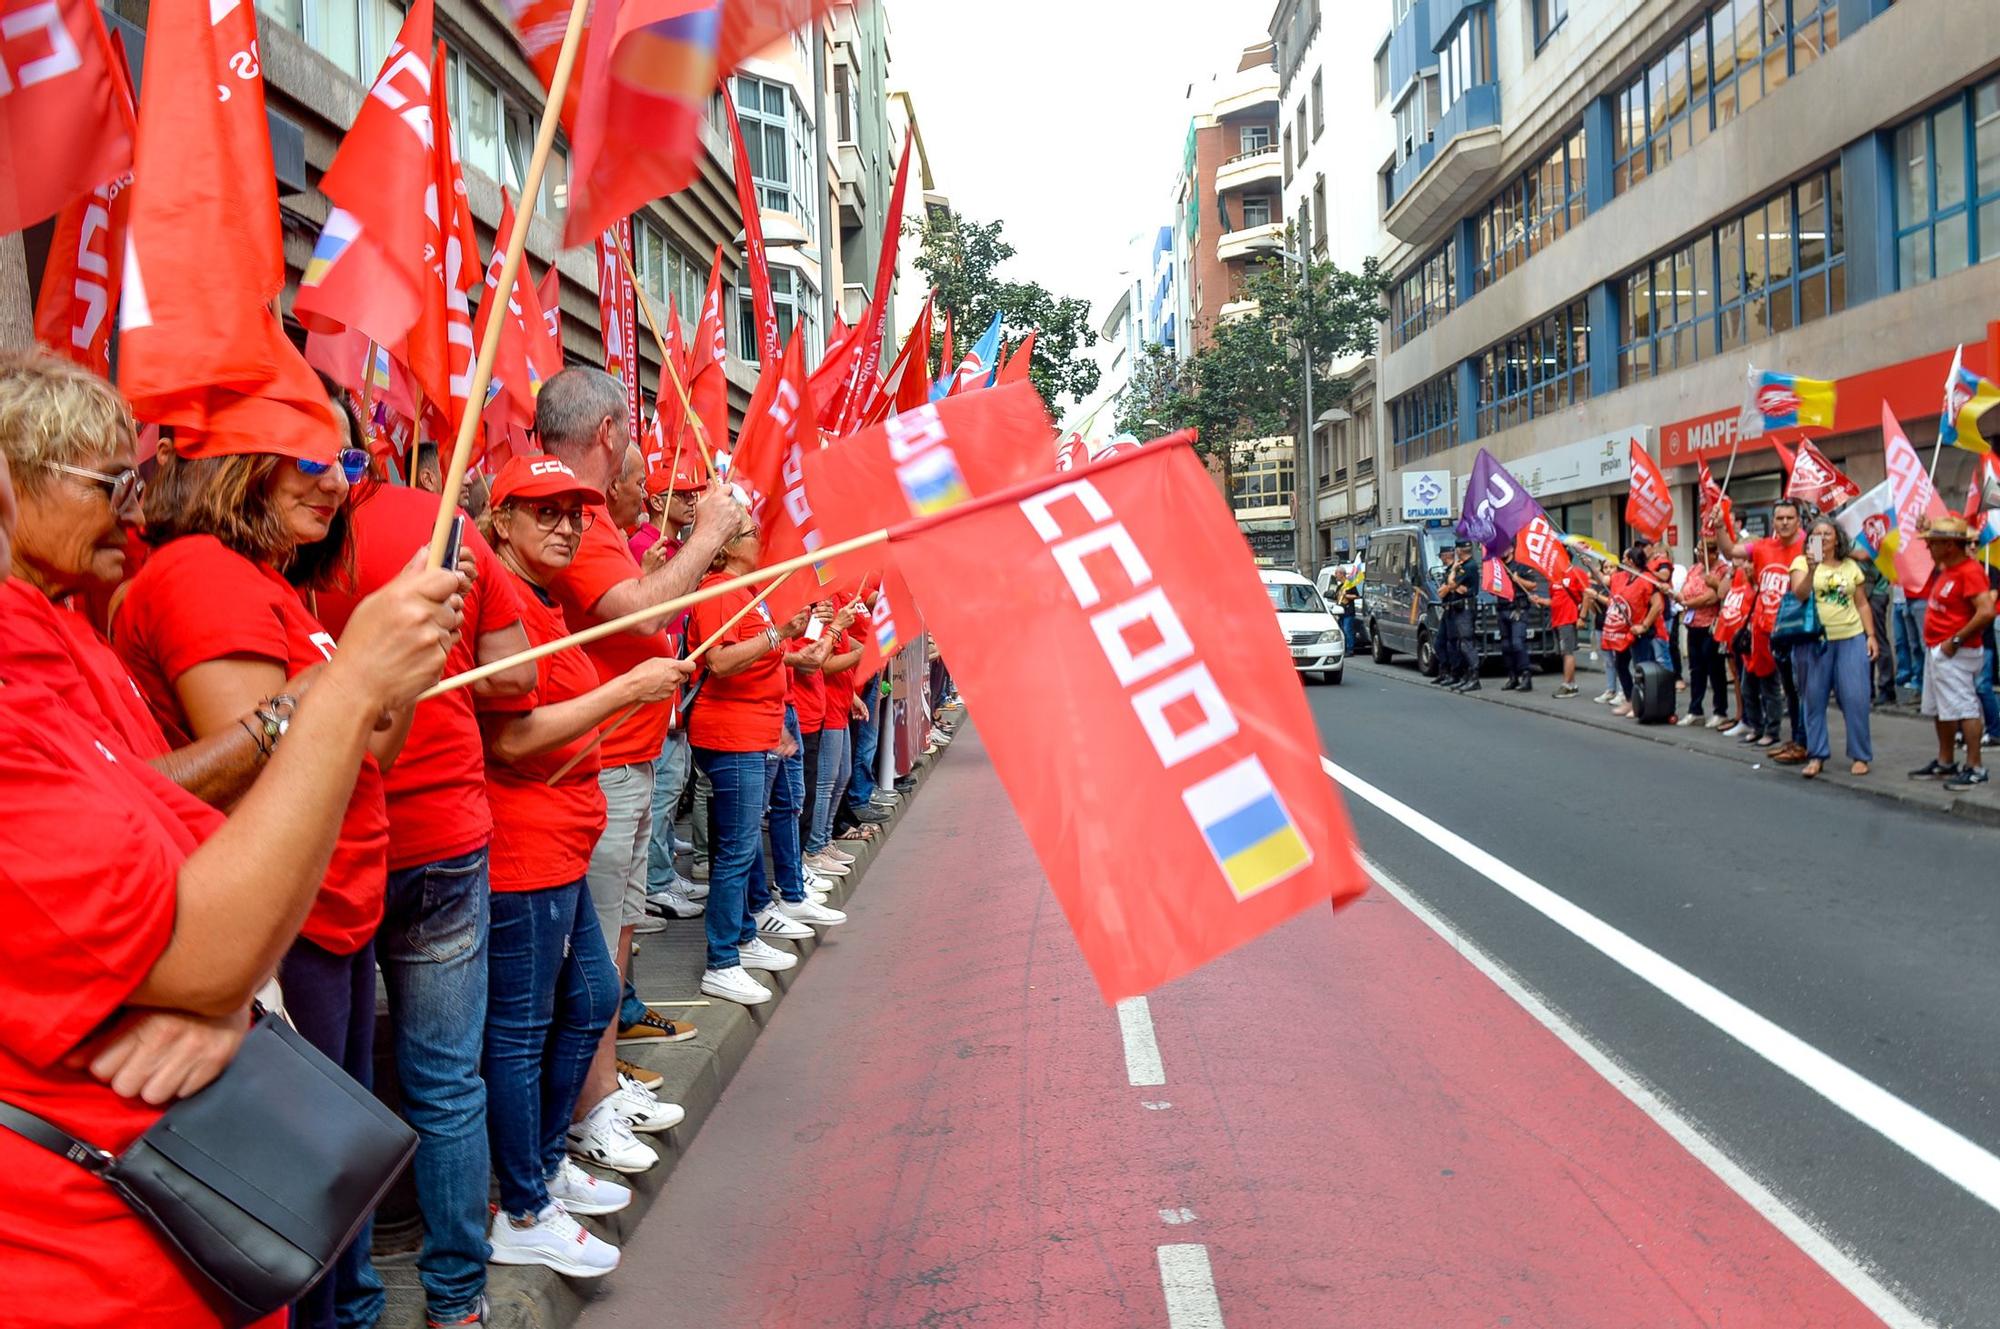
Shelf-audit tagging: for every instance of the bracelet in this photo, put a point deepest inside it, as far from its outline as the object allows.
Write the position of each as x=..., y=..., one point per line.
x=274, y=720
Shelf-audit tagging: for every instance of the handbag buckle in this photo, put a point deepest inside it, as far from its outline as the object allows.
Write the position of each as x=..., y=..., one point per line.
x=97, y=1160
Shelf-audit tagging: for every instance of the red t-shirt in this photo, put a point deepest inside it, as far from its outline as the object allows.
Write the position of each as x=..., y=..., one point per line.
x=90, y=855
x=543, y=834
x=808, y=690
x=1637, y=593
x=1566, y=598
x=744, y=712
x=840, y=686
x=58, y=649
x=436, y=791
x=603, y=560
x=1701, y=616
x=197, y=601
x=1771, y=564
x=1950, y=592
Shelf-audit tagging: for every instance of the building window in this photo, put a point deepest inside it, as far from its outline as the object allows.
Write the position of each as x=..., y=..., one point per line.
x=843, y=104
x=1549, y=15
x=1948, y=186
x=1762, y=271
x=779, y=141
x=666, y=272
x=793, y=299
x=1254, y=138
x=1288, y=154
x=1531, y=212
x=1423, y=297
x=1467, y=61
x=1425, y=420
x=1256, y=212
x=1413, y=127
x=1382, y=75
x=1538, y=371
x=1302, y=140
x=355, y=34
x=1731, y=57
x=1319, y=106
x=1319, y=214
x=1263, y=482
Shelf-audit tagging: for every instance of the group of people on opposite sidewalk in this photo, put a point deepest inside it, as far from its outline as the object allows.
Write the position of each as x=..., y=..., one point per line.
x=220, y=785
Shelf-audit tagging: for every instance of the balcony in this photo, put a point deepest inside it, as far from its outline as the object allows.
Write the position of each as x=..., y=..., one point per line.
x=848, y=174
x=1236, y=309
x=1252, y=91
x=1250, y=242
x=841, y=27
x=1450, y=173
x=853, y=303
x=1262, y=166
x=1444, y=17
x=1410, y=52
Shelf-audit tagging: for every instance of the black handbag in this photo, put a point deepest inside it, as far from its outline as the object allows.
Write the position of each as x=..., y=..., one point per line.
x=261, y=1179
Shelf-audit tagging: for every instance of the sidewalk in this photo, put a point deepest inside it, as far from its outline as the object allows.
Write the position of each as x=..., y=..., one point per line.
x=668, y=969
x=1902, y=740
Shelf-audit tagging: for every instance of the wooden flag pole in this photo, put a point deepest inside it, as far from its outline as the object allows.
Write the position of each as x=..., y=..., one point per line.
x=668, y=368
x=510, y=272
x=667, y=609
x=698, y=652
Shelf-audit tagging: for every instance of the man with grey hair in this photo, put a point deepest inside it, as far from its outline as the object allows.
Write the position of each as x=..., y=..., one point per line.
x=581, y=418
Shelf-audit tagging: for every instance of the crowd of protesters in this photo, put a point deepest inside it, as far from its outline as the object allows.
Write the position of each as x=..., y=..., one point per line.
x=1762, y=638
x=209, y=804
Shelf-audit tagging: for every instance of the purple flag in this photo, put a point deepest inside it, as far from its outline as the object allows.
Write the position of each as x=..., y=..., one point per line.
x=1496, y=507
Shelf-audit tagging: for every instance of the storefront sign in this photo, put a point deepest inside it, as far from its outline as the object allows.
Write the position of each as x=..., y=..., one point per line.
x=1605, y=460
x=1427, y=495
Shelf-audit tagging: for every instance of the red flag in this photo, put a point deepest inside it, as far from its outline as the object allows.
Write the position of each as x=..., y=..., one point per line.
x=749, y=26
x=66, y=121
x=753, y=238
x=78, y=302
x=367, y=269
x=1717, y=513
x=539, y=25
x=945, y=363
x=768, y=465
x=1185, y=811
x=439, y=349
x=908, y=384
x=617, y=313
x=1018, y=364
x=203, y=350
x=1540, y=546
x=549, y=296
x=1649, y=506
x=1818, y=481
x=707, y=379
x=928, y=460
x=1493, y=579
x=523, y=363
x=863, y=386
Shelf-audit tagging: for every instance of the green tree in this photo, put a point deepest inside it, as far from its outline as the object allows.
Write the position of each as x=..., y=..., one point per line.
x=961, y=259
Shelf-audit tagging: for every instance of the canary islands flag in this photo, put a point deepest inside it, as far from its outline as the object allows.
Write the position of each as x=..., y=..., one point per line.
x=1253, y=838
x=1967, y=396
x=1786, y=401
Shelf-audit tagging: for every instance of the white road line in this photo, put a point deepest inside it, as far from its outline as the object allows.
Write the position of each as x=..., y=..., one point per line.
x=1839, y=1265
x=1176, y=1217
x=1142, y=1053
x=1955, y=1157
x=1190, y=1288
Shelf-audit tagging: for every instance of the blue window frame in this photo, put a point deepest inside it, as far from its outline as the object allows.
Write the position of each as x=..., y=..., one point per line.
x=1425, y=420
x=1948, y=186
x=1533, y=211
x=1537, y=371
x=1427, y=293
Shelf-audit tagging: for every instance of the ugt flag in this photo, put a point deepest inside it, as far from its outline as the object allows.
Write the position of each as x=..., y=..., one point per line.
x=1540, y=546
x=1497, y=506
x=1108, y=628
x=1816, y=480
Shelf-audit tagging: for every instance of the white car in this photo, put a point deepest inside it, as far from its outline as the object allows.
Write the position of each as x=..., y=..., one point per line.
x=1312, y=633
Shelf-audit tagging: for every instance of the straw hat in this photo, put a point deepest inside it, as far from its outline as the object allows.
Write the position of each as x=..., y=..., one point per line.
x=1947, y=528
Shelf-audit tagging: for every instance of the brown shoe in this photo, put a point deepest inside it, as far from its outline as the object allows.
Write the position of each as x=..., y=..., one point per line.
x=655, y=1028
x=648, y=1080
x=1788, y=754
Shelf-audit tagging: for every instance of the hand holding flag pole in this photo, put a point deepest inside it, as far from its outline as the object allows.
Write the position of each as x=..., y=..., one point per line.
x=693, y=656
x=510, y=272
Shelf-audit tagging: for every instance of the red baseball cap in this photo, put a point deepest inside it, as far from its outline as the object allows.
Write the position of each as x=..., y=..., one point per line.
x=685, y=476
x=539, y=476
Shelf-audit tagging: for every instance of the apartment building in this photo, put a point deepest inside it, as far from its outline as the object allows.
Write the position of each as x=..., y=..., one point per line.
x=1602, y=211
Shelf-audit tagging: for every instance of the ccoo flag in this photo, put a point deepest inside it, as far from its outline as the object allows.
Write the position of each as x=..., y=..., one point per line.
x=65, y=117
x=1185, y=811
x=1649, y=507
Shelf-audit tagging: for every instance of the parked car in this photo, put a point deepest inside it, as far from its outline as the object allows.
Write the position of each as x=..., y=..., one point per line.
x=1312, y=632
x=1402, y=612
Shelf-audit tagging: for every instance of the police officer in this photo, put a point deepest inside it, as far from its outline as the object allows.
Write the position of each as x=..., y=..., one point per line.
x=1460, y=594
x=1513, y=616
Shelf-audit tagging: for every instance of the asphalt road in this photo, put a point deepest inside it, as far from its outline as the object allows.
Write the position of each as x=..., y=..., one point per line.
x=1436, y=1108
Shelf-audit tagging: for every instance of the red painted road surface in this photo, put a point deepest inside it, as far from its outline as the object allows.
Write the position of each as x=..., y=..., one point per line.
x=937, y=1131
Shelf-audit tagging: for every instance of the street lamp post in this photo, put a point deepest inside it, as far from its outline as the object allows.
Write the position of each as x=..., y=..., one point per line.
x=1305, y=485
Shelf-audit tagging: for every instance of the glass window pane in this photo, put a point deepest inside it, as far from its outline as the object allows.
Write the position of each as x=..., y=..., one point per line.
x=1749, y=54
x=1811, y=223
x=336, y=32
x=287, y=14
x=1778, y=235
x=1989, y=232
x=1986, y=137
x=1913, y=199
x=1948, y=149
x=1913, y=258
x=1812, y=298
x=479, y=126
x=383, y=20
x=1953, y=243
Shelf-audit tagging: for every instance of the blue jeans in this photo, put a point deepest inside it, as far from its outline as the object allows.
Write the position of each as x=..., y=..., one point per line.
x=553, y=992
x=864, y=735
x=784, y=796
x=1910, y=643
x=670, y=777
x=1989, y=703
x=834, y=765
x=1828, y=669
x=331, y=1000
x=736, y=809
x=432, y=949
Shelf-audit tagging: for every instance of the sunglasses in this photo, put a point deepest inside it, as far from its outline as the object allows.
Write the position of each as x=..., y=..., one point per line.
x=353, y=464
x=548, y=516
x=126, y=487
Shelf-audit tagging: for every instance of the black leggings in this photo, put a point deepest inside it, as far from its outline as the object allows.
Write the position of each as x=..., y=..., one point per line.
x=1707, y=671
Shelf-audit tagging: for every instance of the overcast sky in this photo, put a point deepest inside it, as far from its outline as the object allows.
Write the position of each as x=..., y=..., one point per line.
x=1063, y=118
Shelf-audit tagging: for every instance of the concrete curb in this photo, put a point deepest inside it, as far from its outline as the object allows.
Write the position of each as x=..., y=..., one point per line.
x=1983, y=809
x=695, y=1073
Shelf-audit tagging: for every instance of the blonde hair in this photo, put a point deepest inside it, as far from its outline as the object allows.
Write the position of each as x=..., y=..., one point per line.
x=54, y=412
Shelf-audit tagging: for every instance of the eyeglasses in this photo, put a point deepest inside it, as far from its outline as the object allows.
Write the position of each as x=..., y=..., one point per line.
x=741, y=536
x=353, y=464
x=126, y=487
x=549, y=516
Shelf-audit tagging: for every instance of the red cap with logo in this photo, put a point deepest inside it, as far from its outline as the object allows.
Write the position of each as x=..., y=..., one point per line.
x=686, y=475
x=539, y=476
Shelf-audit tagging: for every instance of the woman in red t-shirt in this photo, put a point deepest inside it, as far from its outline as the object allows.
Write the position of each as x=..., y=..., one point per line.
x=136, y=924
x=552, y=989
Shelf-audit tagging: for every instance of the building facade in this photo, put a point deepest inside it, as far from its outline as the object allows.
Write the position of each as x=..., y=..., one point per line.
x=1603, y=211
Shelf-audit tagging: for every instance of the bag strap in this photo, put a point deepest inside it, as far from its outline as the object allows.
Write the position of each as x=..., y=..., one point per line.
x=54, y=1139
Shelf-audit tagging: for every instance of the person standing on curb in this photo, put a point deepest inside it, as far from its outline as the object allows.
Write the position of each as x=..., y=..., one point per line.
x=1958, y=607
x=1460, y=594
x=1839, y=664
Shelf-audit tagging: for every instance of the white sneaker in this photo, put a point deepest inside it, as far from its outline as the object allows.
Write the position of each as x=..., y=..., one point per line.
x=683, y=846
x=1717, y=721
x=693, y=890
x=771, y=923
x=650, y=923
x=554, y=1240
x=670, y=903
x=825, y=866
x=805, y=911
x=603, y=1138
x=1737, y=730
x=760, y=954
x=580, y=1193
x=1603, y=697
x=642, y=1112
x=734, y=984
x=837, y=855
